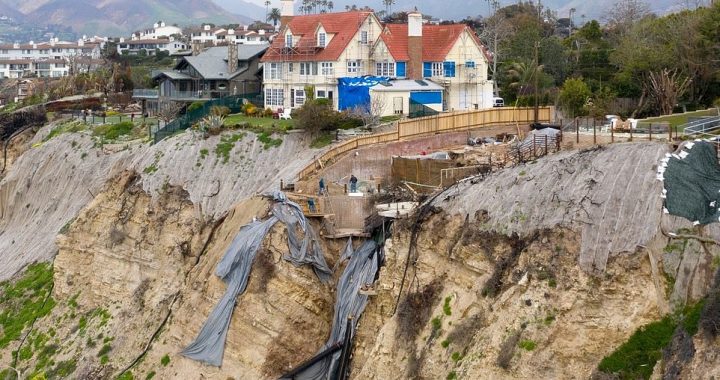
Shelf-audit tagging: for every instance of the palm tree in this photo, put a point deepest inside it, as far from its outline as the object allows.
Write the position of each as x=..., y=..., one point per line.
x=388, y=4
x=274, y=16
x=521, y=75
x=330, y=6
x=267, y=4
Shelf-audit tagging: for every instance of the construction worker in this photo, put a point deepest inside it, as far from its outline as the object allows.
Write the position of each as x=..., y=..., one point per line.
x=353, y=183
x=322, y=187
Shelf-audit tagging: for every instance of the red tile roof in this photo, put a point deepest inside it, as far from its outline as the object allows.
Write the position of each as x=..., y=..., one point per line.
x=437, y=40
x=343, y=26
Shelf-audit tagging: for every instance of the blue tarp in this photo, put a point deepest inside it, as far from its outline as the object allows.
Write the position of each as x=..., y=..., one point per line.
x=353, y=92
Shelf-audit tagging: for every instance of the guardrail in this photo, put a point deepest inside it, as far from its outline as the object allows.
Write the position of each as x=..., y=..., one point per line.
x=145, y=93
x=431, y=125
x=702, y=126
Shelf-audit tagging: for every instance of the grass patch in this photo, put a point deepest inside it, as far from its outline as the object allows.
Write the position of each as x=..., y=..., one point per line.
x=322, y=141
x=390, y=119
x=24, y=300
x=445, y=343
x=165, y=360
x=150, y=375
x=676, y=120
x=240, y=120
x=636, y=358
x=204, y=153
x=527, y=344
x=456, y=356
x=446, y=306
x=436, y=324
x=67, y=127
x=226, y=144
x=451, y=376
x=104, y=350
x=269, y=142
x=126, y=376
x=111, y=132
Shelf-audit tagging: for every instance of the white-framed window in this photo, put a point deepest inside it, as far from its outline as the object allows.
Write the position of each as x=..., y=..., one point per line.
x=326, y=68
x=273, y=70
x=385, y=69
x=274, y=96
x=322, y=37
x=353, y=67
x=321, y=94
x=299, y=98
x=364, y=37
x=308, y=68
x=288, y=40
x=437, y=69
x=291, y=67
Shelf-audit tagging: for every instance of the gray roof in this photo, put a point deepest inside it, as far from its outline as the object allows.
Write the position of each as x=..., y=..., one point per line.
x=212, y=63
x=175, y=75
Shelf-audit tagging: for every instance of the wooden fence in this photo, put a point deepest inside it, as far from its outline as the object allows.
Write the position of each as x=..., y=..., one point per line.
x=431, y=125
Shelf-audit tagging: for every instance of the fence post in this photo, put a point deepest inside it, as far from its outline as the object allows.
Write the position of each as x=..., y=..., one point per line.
x=546, y=145
x=630, y=132
x=612, y=133
x=534, y=148
x=594, y=133
x=670, y=132
x=650, y=133
x=577, y=131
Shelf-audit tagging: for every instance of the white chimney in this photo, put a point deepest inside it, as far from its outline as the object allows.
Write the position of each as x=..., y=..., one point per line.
x=415, y=23
x=162, y=24
x=231, y=31
x=206, y=27
x=16, y=46
x=287, y=11
x=32, y=42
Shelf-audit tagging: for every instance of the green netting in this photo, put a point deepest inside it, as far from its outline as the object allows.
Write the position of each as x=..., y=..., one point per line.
x=692, y=182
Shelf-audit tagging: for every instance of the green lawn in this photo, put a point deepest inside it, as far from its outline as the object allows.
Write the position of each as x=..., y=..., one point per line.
x=680, y=119
x=261, y=122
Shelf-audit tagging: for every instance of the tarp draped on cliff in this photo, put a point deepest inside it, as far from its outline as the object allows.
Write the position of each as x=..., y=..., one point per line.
x=234, y=268
x=692, y=182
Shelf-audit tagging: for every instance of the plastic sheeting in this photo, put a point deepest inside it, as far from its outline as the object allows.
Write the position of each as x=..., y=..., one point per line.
x=354, y=92
x=692, y=182
x=234, y=269
x=361, y=270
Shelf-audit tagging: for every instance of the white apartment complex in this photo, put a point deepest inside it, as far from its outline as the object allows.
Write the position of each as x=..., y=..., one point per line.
x=158, y=30
x=51, y=59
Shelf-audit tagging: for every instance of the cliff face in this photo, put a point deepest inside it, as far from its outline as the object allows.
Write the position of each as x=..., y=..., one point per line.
x=489, y=282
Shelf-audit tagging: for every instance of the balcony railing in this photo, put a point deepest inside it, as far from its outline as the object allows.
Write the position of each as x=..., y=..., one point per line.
x=145, y=93
x=180, y=95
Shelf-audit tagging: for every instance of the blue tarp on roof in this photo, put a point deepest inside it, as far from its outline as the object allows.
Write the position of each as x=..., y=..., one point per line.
x=353, y=92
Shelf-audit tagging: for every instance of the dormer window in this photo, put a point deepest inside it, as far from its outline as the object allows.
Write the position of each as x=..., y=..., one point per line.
x=363, y=37
x=289, y=40
x=322, y=37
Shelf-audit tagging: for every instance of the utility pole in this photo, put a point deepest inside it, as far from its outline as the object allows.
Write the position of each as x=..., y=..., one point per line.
x=537, y=81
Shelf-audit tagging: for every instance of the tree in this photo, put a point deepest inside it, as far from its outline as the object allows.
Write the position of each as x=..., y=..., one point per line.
x=168, y=110
x=574, y=96
x=267, y=6
x=495, y=29
x=624, y=13
x=371, y=111
x=388, y=4
x=274, y=16
x=666, y=87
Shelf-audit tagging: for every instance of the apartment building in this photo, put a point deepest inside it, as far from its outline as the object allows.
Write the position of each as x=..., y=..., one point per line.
x=151, y=46
x=159, y=30
x=54, y=49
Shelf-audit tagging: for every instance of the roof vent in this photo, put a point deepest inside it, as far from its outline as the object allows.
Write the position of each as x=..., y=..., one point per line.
x=421, y=82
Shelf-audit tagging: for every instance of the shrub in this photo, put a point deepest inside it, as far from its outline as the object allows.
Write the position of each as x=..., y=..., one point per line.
x=527, y=344
x=220, y=111
x=195, y=106
x=165, y=360
x=268, y=112
x=249, y=109
x=113, y=131
x=316, y=116
x=636, y=358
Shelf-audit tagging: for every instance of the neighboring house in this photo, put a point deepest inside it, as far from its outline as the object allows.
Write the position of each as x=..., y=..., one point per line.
x=210, y=74
x=54, y=49
x=317, y=50
x=150, y=46
x=207, y=35
x=328, y=50
x=46, y=68
x=245, y=36
x=159, y=30
x=451, y=56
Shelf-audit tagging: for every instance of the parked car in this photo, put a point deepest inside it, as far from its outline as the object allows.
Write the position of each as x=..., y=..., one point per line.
x=498, y=102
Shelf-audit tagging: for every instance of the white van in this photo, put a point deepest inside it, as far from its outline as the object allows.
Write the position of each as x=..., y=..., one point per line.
x=498, y=102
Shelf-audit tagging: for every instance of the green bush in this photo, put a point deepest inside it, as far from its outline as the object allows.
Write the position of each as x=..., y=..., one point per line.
x=113, y=131
x=636, y=358
x=220, y=111
x=527, y=344
x=165, y=360
x=195, y=106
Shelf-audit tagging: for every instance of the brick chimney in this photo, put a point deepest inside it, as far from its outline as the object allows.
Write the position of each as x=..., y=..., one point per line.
x=415, y=45
x=287, y=11
x=197, y=47
x=232, y=57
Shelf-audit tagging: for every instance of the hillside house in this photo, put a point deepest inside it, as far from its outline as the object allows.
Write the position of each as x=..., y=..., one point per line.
x=151, y=46
x=206, y=35
x=158, y=30
x=213, y=73
x=328, y=50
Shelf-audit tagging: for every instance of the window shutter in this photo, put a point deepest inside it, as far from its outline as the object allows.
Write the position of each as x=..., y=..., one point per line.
x=400, y=69
x=427, y=69
x=449, y=69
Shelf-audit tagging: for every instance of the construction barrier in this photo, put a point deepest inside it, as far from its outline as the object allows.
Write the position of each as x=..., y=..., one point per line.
x=424, y=126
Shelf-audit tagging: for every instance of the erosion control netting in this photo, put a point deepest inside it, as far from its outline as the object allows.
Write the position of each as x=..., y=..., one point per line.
x=234, y=269
x=691, y=179
x=361, y=270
